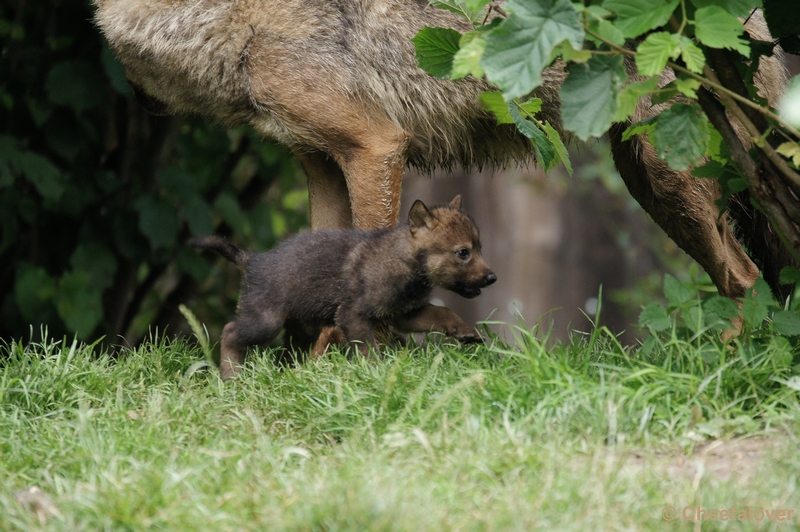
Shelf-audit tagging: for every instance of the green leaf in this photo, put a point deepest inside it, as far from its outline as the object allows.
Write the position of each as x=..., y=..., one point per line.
x=494, y=102
x=692, y=318
x=681, y=136
x=436, y=48
x=33, y=292
x=642, y=127
x=717, y=28
x=710, y=170
x=655, y=318
x=43, y=174
x=720, y=309
x=114, y=71
x=789, y=275
x=628, y=98
x=687, y=87
x=558, y=144
x=467, y=60
x=754, y=313
x=79, y=303
x=570, y=54
x=789, y=104
x=519, y=48
x=677, y=294
x=158, y=221
x=545, y=151
x=635, y=17
x=96, y=261
x=654, y=53
x=737, y=8
x=790, y=150
x=608, y=31
x=589, y=95
x=75, y=84
x=473, y=10
x=693, y=57
x=786, y=323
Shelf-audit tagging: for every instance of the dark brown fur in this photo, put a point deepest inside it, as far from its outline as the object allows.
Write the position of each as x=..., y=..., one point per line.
x=356, y=278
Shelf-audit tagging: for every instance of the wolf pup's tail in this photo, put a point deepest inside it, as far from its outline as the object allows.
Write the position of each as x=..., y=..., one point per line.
x=221, y=246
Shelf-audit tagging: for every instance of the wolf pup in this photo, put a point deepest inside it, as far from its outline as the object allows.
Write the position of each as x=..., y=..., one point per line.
x=356, y=278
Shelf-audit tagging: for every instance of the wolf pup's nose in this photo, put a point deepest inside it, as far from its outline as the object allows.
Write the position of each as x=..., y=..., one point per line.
x=490, y=278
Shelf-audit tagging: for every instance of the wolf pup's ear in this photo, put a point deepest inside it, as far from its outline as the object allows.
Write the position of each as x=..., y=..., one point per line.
x=419, y=216
x=456, y=203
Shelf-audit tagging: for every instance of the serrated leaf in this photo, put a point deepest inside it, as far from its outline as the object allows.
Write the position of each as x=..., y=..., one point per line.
x=628, y=98
x=558, y=144
x=790, y=150
x=655, y=318
x=545, y=151
x=608, y=31
x=642, y=127
x=789, y=275
x=693, y=318
x=589, y=95
x=467, y=60
x=737, y=8
x=520, y=47
x=717, y=28
x=754, y=313
x=158, y=221
x=717, y=149
x=473, y=10
x=664, y=94
x=570, y=54
x=681, y=136
x=635, y=17
x=720, y=308
x=494, y=102
x=693, y=57
x=654, y=53
x=676, y=293
x=197, y=214
x=436, y=48
x=761, y=293
x=33, y=292
x=710, y=170
x=786, y=323
x=687, y=87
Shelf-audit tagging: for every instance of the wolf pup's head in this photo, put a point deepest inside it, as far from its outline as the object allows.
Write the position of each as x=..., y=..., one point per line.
x=450, y=246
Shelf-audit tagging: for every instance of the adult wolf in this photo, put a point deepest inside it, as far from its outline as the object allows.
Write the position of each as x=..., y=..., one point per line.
x=337, y=81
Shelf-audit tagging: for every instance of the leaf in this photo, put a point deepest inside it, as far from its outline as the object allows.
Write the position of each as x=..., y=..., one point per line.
x=436, y=48
x=681, y=136
x=655, y=318
x=718, y=308
x=97, y=261
x=79, y=303
x=677, y=294
x=558, y=144
x=570, y=54
x=545, y=151
x=789, y=275
x=786, y=323
x=467, y=60
x=114, y=70
x=754, y=313
x=635, y=17
x=520, y=47
x=494, y=102
x=642, y=127
x=589, y=95
x=687, y=87
x=158, y=221
x=473, y=10
x=711, y=170
x=693, y=57
x=608, y=31
x=628, y=98
x=74, y=84
x=43, y=174
x=33, y=292
x=654, y=53
x=790, y=150
x=717, y=28
x=737, y=8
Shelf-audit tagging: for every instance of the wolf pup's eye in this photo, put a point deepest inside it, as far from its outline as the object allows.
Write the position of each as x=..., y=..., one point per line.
x=463, y=253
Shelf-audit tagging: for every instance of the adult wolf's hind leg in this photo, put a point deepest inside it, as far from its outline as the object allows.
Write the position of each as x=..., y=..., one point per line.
x=684, y=207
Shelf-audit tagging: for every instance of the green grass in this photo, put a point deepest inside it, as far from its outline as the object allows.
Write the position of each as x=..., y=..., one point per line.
x=585, y=436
